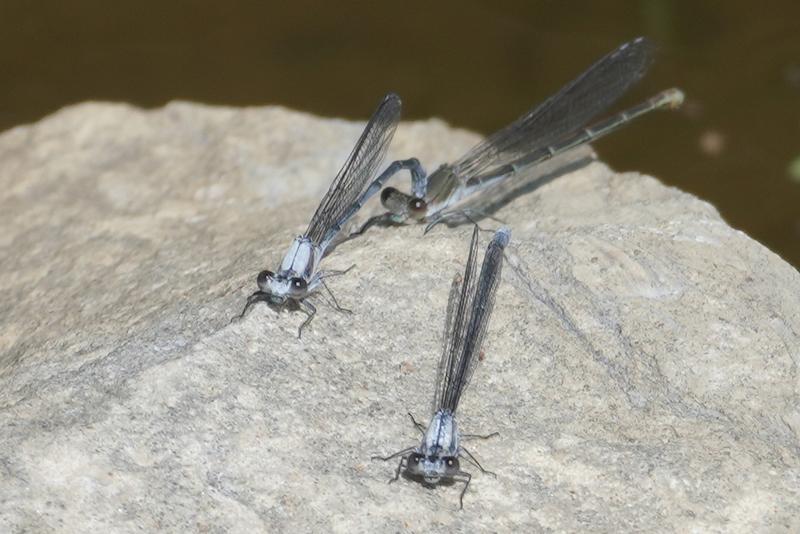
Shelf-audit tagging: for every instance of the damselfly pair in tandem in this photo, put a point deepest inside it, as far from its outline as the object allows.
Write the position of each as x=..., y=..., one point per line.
x=460, y=191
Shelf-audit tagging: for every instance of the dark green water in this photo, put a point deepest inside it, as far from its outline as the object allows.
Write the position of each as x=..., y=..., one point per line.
x=478, y=64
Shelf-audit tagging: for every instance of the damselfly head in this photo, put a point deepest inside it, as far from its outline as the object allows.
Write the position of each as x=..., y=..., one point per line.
x=432, y=468
x=279, y=288
x=403, y=204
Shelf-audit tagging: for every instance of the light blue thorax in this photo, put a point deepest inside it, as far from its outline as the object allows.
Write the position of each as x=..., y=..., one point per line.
x=301, y=260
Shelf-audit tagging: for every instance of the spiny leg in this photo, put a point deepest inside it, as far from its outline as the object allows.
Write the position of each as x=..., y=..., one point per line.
x=481, y=215
x=462, y=215
x=329, y=273
x=258, y=296
x=480, y=436
x=466, y=485
x=384, y=219
x=335, y=302
x=395, y=455
x=444, y=218
x=402, y=454
x=471, y=458
x=417, y=424
x=400, y=467
x=311, y=311
x=322, y=275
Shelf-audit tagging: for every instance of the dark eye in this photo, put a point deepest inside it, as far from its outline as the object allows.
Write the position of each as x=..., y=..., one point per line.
x=451, y=464
x=264, y=277
x=298, y=283
x=387, y=194
x=415, y=458
x=417, y=206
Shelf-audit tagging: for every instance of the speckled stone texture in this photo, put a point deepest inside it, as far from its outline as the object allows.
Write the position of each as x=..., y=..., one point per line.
x=641, y=365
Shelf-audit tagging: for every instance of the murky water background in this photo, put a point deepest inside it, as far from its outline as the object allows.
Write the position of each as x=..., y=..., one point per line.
x=477, y=64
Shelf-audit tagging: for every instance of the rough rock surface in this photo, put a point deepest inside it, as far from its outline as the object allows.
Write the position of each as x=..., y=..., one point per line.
x=641, y=366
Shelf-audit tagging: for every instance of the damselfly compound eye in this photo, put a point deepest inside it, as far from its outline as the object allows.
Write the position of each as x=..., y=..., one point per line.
x=387, y=194
x=451, y=464
x=394, y=201
x=263, y=279
x=298, y=284
x=417, y=207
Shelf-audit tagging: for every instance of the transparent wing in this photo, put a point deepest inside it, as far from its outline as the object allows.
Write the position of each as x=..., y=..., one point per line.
x=454, y=324
x=360, y=167
x=569, y=109
x=470, y=320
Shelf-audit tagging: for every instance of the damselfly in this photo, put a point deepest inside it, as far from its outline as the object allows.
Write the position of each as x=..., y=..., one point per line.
x=469, y=307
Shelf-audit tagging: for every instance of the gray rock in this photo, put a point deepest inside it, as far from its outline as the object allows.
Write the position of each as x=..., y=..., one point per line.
x=641, y=365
